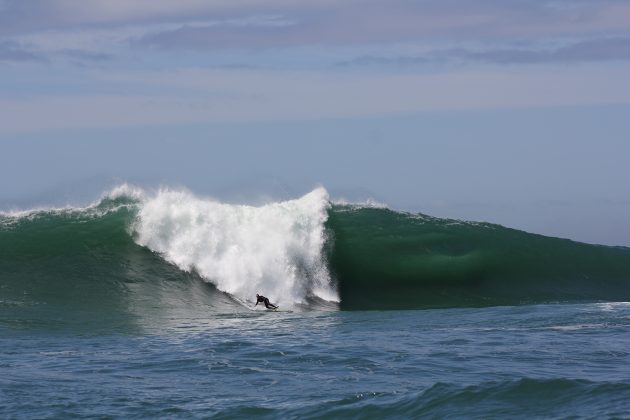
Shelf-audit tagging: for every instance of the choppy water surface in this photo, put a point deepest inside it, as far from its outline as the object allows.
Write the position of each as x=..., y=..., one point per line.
x=538, y=360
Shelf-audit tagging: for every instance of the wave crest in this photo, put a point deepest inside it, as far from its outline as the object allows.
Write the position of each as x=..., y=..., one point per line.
x=275, y=249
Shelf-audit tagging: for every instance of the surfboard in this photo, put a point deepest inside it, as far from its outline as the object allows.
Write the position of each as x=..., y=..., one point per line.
x=279, y=310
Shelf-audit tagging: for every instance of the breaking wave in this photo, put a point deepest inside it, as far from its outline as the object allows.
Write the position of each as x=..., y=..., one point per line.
x=172, y=249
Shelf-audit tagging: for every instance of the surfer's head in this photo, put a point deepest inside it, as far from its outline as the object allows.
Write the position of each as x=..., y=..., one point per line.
x=256, y=294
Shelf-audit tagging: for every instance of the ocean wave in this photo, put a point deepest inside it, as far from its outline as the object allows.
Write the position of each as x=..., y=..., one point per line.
x=495, y=399
x=134, y=245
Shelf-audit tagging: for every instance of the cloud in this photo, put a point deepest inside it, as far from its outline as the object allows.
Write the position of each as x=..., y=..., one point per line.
x=206, y=96
x=83, y=56
x=14, y=52
x=592, y=50
x=373, y=22
x=605, y=49
x=327, y=22
x=20, y=17
x=243, y=84
x=595, y=50
x=11, y=51
x=251, y=31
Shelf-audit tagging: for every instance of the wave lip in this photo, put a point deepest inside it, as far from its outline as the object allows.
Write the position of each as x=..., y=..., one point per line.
x=275, y=249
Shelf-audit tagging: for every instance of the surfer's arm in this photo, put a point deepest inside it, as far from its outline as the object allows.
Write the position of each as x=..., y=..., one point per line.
x=256, y=303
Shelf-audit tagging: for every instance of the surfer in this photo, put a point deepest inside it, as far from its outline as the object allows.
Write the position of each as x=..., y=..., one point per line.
x=268, y=305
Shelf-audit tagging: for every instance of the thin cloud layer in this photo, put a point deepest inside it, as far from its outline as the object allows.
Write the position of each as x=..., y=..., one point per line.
x=275, y=60
x=150, y=98
x=323, y=21
x=13, y=52
x=606, y=49
x=369, y=22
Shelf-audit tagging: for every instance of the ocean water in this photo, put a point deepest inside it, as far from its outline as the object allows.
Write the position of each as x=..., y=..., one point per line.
x=141, y=306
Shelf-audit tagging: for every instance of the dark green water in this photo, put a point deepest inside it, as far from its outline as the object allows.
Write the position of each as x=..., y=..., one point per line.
x=384, y=259
x=107, y=311
x=378, y=259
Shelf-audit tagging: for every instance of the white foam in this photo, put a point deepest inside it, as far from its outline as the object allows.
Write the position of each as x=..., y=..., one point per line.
x=370, y=203
x=275, y=250
x=613, y=306
x=92, y=209
x=125, y=191
x=8, y=218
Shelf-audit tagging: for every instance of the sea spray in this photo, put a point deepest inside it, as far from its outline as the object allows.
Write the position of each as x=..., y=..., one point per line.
x=275, y=249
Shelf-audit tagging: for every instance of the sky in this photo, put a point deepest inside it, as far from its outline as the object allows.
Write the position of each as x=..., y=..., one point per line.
x=509, y=111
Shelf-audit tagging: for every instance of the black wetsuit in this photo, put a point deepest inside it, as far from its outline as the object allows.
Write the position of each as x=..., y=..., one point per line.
x=265, y=300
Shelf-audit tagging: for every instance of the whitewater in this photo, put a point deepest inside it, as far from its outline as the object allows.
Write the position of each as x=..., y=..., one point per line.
x=141, y=305
x=275, y=249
